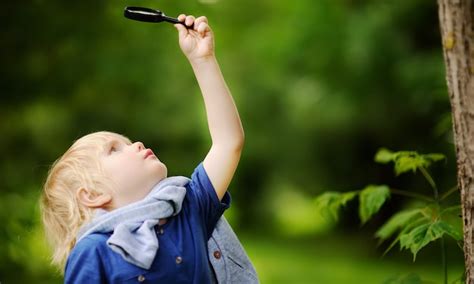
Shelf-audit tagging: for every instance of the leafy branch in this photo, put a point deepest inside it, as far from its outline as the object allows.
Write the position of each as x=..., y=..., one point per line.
x=413, y=228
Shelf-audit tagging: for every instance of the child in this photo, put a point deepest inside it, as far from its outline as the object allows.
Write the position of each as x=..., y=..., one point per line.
x=113, y=216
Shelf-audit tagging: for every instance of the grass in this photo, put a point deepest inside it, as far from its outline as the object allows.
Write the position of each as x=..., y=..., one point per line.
x=341, y=260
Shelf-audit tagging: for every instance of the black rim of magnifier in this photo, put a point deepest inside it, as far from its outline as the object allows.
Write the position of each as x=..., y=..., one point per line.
x=149, y=15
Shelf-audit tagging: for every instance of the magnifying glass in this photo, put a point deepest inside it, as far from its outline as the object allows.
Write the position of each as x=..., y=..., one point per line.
x=143, y=14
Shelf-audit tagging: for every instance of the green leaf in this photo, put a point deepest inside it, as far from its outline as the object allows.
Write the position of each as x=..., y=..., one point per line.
x=328, y=203
x=406, y=161
x=348, y=196
x=452, y=217
x=434, y=157
x=416, y=239
x=384, y=156
x=397, y=222
x=454, y=230
x=423, y=234
x=371, y=199
x=408, y=227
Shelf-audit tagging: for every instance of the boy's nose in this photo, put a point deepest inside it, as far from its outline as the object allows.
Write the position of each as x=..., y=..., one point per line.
x=139, y=146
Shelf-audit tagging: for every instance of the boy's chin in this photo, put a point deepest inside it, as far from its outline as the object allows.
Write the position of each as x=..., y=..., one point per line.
x=164, y=171
x=159, y=171
x=161, y=176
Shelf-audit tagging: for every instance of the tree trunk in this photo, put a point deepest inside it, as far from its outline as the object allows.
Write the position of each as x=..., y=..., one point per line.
x=457, y=32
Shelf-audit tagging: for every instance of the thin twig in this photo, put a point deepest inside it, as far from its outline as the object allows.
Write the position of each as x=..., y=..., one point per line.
x=430, y=181
x=411, y=194
x=444, y=260
x=449, y=192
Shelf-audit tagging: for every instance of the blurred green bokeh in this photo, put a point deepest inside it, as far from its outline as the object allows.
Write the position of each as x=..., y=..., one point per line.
x=320, y=86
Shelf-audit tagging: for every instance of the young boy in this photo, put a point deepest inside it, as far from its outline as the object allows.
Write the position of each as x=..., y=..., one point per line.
x=113, y=216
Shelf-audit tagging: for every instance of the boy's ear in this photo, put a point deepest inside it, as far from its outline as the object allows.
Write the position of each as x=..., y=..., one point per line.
x=91, y=199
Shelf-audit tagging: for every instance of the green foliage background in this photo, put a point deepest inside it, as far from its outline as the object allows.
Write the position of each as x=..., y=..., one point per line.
x=320, y=86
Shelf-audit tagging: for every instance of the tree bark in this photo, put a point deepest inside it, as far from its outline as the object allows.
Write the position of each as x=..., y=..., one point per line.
x=456, y=25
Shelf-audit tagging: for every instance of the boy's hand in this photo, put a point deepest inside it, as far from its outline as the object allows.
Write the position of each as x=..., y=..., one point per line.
x=197, y=43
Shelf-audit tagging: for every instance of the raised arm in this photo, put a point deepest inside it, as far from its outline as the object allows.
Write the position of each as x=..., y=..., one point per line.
x=222, y=116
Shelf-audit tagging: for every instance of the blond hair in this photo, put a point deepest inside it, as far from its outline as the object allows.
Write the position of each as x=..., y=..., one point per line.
x=62, y=213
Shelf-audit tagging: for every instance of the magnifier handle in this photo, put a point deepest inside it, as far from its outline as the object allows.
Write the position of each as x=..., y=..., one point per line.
x=176, y=21
x=143, y=14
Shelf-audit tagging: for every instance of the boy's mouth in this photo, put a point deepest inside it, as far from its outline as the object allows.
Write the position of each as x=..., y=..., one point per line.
x=148, y=153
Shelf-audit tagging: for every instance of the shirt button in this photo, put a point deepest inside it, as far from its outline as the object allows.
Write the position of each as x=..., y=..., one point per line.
x=179, y=259
x=217, y=254
x=161, y=231
x=141, y=278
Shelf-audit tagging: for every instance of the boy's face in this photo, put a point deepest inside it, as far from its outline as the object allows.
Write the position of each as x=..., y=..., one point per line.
x=132, y=168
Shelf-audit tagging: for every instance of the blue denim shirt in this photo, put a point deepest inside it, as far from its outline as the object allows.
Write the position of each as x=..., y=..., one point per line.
x=191, y=248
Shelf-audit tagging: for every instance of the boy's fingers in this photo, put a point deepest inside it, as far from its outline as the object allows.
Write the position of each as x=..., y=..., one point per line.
x=200, y=20
x=181, y=17
x=189, y=20
x=202, y=28
x=200, y=24
x=181, y=29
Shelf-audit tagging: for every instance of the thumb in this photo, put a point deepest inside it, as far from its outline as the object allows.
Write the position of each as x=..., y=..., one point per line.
x=181, y=29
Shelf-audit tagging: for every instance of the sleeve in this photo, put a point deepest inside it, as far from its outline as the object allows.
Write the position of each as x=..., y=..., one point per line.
x=210, y=208
x=84, y=264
